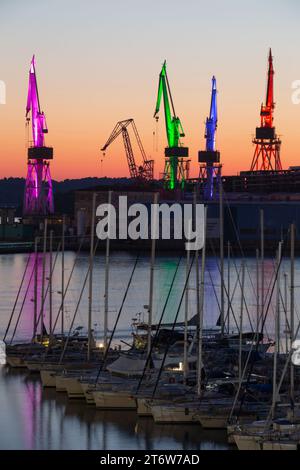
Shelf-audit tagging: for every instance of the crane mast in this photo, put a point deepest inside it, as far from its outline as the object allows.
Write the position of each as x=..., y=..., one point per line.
x=143, y=172
x=212, y=121
x=176, y=167
x=210, y=168
x=38, y=199
x=267, y=111
x=267, y=143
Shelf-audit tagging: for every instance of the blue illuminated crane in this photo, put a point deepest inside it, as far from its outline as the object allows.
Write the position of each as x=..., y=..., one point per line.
x=212, y=121
x=210, y=169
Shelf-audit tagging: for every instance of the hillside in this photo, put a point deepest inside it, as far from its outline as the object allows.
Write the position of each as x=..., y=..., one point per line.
x=12, y=191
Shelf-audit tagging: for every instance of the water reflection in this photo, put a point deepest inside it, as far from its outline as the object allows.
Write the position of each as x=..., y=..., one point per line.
x=32, y=418
x=12, y=268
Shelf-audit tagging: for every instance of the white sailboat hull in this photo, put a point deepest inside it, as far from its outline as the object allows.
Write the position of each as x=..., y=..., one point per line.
x=144, y=407
x=119, y=400
x=48, y=378
x=280, y=446
x=74, y=388
x=15, y=362
x=61, y=383
x=173, y=414
x=88, y=390
x=244, y=442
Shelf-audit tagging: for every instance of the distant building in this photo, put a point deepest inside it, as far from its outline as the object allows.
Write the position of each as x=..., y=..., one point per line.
x=242, y=212
x=7, y=214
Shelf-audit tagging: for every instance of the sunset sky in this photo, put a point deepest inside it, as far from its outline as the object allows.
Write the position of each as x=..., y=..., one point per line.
x=98, y=62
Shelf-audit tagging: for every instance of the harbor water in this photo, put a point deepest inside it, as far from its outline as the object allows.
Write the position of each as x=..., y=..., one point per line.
x=33, y=418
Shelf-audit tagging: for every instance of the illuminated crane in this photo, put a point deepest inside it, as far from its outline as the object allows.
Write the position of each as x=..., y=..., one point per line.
x=143, y=172
x=267, y=144
x=38, y=198
x=210, y=168
x=176, y=167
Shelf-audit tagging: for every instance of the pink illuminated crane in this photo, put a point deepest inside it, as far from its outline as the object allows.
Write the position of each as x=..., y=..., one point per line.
x=38, y=200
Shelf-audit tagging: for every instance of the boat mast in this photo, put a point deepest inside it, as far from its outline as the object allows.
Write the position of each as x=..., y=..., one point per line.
x=277, y=331
x=91, y=268
x=241, y=322
x=154, y=228
x=107, y=275
x=186, y=310
x=257, y=293
x=286, y=312
x=221, y=210
x=63, y=274
x=43, y=279
x=50, y=282
x=228, y=285
x=35, y=295
x=201, y=312
x=262, y=249
x=197, y=267
x=292, y=304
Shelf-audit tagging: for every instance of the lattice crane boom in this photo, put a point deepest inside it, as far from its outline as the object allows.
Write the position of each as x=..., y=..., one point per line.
x=267, y=110
x=145, y=171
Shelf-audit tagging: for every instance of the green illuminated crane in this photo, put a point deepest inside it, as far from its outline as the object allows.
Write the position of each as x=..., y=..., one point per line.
x=176, y=168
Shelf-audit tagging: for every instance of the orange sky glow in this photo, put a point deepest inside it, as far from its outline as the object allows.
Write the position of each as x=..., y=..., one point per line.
x=98, y=64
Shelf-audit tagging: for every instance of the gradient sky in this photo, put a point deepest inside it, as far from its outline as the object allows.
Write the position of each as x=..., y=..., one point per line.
x=98, y=62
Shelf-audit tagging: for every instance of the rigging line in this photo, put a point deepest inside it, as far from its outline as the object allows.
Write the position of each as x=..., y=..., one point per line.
x=231, y=300
x=17, y=298
x=239, y=281
x=284, y=240
x=257, y=342
x=227, y=294
x=237, y=237
x=22, y=306
x=77, y=307
x=46, y=292
x=268, y=293
x=69, y=280
x=225, y=288
x=167, y=283
x=117, y=319
x=288, y=360
x=159, y=324
x=173, y=326
x=247, y=363
x=214, y=288
x=32, y=339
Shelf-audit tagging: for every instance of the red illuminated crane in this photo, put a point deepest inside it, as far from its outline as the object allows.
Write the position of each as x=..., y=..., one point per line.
x=143, y=172
x=267, y=144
